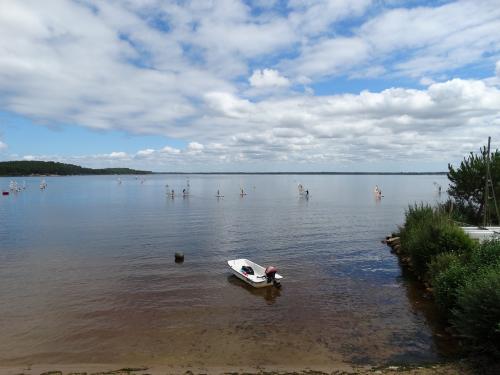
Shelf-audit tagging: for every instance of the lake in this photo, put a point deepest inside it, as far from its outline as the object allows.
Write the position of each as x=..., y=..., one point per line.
x=87, y=272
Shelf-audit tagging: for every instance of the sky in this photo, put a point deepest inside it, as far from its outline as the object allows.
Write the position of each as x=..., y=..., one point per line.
x=233, y=85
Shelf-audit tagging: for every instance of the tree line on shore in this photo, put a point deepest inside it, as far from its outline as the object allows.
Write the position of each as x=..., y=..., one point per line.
x=463, y=274
x=27, y=168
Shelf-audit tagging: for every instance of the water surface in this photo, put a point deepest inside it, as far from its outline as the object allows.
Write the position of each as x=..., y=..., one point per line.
x=87, y=272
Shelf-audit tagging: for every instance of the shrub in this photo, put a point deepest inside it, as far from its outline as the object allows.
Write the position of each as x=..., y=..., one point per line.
x=485, y=255
x=429, y=232
x=477, y=315
x=447, y=273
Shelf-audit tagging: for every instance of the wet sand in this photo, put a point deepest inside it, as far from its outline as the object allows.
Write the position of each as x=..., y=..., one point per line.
x=452, y=368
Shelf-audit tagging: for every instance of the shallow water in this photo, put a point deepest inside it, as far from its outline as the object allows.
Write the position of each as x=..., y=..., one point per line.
x=87, y=272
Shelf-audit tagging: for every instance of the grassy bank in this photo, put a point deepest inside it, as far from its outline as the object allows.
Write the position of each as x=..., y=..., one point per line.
x=463, y=275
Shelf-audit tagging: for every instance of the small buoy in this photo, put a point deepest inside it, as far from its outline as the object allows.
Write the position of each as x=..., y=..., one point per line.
x=179, y=257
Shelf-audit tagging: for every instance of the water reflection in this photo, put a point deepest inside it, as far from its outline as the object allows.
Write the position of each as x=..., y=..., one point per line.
x=270, y=294
x=99, y=282
x=422, y=303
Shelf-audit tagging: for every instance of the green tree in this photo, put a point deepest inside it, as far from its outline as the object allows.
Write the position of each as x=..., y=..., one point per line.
x=467, y=184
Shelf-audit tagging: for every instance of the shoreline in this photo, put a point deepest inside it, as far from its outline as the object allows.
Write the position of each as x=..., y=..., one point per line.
x=463, y=367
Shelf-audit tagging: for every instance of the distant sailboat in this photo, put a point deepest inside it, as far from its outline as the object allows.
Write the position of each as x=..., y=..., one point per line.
x=43, y=185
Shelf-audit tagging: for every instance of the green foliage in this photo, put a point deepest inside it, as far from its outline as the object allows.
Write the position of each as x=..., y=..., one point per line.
x=26, y=168
x=467, y=288
x=467, y=184
x=428, y=233
x=485, y=255
x=477, y=315
x=447, y=274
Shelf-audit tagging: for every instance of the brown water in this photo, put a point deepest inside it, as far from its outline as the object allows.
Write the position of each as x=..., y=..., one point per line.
x=87, y=273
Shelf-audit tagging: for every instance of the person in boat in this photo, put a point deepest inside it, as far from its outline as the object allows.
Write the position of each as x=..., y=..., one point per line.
x=307, y=193
x=172, y=193
x=242, y=192
x=218, y=193
x=183, y=191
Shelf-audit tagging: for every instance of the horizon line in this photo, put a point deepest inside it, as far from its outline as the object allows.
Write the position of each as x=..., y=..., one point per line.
x=312, y=173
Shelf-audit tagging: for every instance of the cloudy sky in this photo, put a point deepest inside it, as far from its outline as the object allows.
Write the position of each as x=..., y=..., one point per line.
x=233, y=85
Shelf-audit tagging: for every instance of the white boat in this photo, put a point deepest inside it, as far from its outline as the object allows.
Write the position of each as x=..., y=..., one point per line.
x=254, y=274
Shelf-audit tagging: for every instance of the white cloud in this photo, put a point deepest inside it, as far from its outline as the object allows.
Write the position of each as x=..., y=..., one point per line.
x=440, y=123
x=145, y=153
x=330, y=57
x=170, y=150
x=315, y=17
x=425, y=39
x=266, y=78
x=3, y=146
x=118, y=155
x=105, y=65
x=195, y=147
x=29, y=157
x=435, y=39
x=227, y=104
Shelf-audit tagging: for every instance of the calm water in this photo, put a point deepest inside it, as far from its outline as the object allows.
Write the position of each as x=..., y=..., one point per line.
x=87, y=272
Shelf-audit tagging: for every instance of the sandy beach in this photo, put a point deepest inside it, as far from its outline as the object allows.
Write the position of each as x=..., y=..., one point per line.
x=451, y=368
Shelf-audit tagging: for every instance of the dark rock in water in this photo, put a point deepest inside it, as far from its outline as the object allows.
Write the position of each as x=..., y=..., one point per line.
x=179, y=257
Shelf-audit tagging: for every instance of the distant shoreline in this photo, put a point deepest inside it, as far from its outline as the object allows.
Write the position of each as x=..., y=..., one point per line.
x=36, y=168
x=313, y=173
x=238, y=173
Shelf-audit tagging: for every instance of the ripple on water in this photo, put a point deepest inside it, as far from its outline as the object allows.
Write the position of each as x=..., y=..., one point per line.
x=87, y=269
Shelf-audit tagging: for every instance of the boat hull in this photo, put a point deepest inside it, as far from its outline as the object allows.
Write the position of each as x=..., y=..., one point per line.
x=258, y=280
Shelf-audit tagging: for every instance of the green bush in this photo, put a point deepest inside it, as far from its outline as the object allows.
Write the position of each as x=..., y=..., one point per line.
x=465, y=275
x=447, y=273
x=417, y=218
x=477, y=315
x=485, y=255
x=428, y=233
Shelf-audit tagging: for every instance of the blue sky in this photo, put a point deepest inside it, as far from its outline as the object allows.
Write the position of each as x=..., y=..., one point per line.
x=249, y=85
